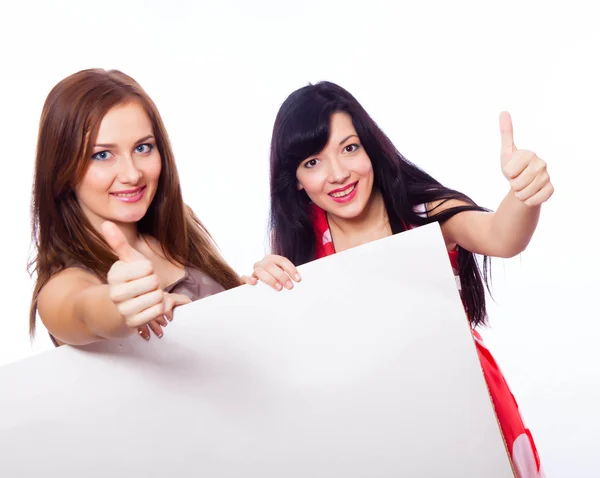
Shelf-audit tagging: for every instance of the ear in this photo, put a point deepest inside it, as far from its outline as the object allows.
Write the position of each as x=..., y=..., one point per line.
x=299, y=186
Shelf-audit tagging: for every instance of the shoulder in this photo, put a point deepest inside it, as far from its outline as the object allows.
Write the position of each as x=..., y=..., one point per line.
x=469, y=227
x=436, y=207
x=71, y=276
x=55, y=294
x=441, y=205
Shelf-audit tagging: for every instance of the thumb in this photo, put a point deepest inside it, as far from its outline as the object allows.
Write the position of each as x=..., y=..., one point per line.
x=506, y=136
x=118, y=243
x=249, y=280
x=174, y=300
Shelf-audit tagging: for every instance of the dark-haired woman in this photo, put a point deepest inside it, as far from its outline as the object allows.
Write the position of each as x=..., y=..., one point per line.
x=338, y=182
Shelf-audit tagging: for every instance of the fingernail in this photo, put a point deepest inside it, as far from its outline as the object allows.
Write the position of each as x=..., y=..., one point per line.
x=297, y=277
x=289, y=285
x=278, y=286
x=146, y=337
x=160, y=336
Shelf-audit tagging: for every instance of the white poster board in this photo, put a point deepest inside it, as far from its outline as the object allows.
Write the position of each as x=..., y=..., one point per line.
x=367, y=369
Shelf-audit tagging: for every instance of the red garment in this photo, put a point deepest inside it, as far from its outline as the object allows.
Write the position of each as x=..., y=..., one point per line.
x=518, y=438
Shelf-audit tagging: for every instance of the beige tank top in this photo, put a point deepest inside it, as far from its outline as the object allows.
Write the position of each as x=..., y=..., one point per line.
x=195, y=284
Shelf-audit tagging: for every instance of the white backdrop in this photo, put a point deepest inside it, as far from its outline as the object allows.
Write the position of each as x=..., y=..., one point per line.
x=434, y=75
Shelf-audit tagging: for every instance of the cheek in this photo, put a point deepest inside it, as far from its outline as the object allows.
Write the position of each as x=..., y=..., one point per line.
x=97, y=178
x=364, y=167
x=312, y=182
x=152, y=170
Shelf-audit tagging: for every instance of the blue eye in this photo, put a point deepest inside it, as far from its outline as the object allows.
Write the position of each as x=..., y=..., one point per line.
x=311, y=163
x=102, y=155
x=144, y=148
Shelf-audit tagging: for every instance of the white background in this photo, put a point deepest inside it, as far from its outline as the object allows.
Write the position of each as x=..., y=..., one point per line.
x=434, y=75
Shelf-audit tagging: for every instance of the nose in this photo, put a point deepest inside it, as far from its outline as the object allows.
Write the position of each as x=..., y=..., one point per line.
x=128, y=171
x=338, y=172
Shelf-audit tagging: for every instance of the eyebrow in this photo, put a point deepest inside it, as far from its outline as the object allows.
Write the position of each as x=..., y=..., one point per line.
x=347, y=138
x=106, y=145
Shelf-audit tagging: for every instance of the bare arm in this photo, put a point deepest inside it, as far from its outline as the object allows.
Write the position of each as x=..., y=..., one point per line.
x=505, y=233
x=508, y=231
x=76, y=308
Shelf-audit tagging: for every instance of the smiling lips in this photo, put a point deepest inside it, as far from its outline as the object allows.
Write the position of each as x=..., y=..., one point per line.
x=129, y=195
x=345, y=194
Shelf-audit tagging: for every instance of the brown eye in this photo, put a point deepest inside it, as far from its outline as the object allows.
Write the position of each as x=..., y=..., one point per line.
x=351, y=148
x=311, y=163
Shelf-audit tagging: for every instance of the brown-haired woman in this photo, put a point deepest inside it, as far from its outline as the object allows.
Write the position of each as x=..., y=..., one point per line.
x=116, y=248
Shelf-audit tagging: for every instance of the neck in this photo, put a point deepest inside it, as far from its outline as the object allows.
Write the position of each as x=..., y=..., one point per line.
x=373, y=218
x=130, y=231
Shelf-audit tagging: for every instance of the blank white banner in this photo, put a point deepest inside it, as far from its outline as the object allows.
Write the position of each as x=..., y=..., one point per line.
x=366, y=369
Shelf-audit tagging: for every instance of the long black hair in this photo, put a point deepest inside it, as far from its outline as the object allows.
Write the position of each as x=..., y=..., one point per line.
x=302, y=129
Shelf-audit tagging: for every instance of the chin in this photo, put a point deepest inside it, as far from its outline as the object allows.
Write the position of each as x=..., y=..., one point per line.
x=129, y=217
x=350, y=212
x=348, y=215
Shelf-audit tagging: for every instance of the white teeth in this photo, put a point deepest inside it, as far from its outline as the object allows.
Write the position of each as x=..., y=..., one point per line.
x=343, y=193
x=126, y=195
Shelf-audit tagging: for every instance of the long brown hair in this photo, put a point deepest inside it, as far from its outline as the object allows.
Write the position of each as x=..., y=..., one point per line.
x=60, y=231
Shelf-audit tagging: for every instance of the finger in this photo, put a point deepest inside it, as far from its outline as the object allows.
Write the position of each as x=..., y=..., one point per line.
x=132, y=307
x=520, y=160
x=156, y=328
x=169, y=315
x=537, y=183
x=129, y=271
x=172, y=301
x=146, y=316
x=118, y=242
x=176, y=300
x=507, y=145
x=526, y=177
x=128, y=290
x=265, y=277
x=249, y=280
x=289, y=268
x=143, y=332
x=280, y=275
x=541, y=196
x=162, y=320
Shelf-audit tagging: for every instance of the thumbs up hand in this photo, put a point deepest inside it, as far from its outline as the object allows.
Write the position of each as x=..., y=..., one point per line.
x=135, y=289
x=527, y=174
